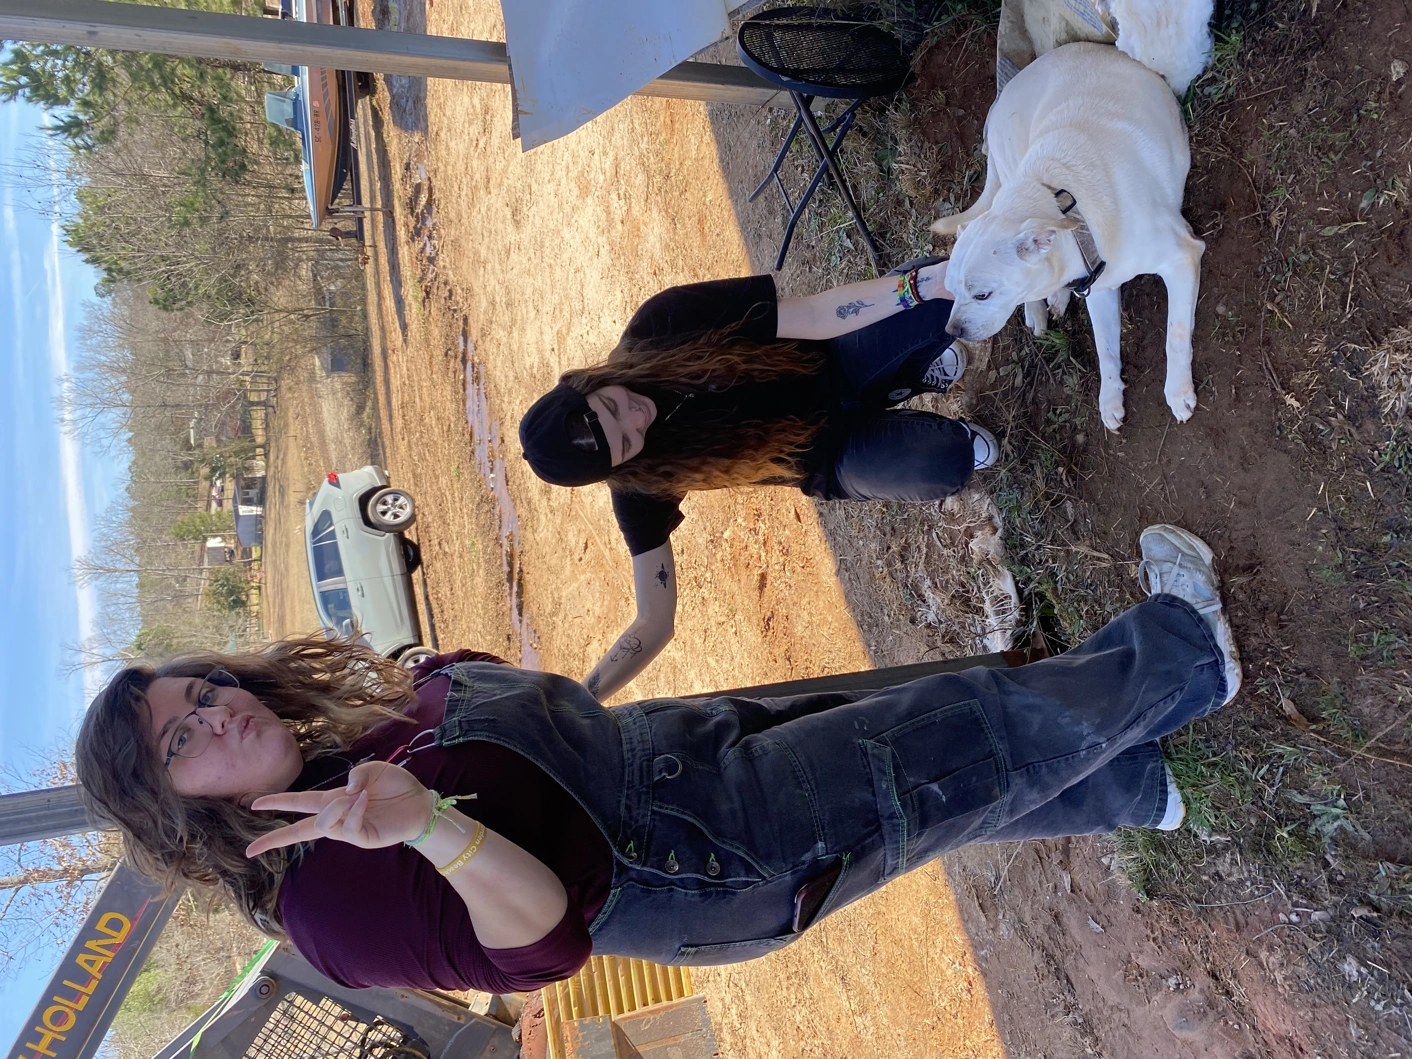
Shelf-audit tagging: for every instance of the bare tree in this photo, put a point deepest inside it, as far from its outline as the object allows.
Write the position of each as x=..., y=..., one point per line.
x=45, y=887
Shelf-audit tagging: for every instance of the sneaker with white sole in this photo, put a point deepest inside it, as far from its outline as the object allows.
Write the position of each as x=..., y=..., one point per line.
x=1180, y=563
x=983, y=445
x=1176, y=806
x=950, y=365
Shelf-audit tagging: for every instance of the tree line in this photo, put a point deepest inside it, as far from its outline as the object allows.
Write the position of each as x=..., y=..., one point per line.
x=191, y=207
x=212, y=282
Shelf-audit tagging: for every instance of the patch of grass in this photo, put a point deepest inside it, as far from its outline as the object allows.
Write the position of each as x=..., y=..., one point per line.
x=1377, y=645
x=1329, y=574
x=981, y=12
x=1218, y=83
x=1391, y=191
x=1391, y=890
x=1272, y=801
x=1333, y=709
x=1329, y=814
x=1056, y=342
x=1145, y=858
x=1208, y=779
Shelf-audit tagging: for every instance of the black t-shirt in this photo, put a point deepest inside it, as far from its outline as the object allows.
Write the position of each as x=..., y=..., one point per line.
x=748, y=306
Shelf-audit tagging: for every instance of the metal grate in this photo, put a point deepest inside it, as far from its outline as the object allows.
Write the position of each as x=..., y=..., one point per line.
x=301, y=1028
x=825, y=49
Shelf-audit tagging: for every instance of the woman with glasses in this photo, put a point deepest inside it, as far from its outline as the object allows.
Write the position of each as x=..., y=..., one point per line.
x=477, y=826
x=725, y=384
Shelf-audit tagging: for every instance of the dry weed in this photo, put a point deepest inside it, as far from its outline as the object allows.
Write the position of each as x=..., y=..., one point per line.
x=1390, y=371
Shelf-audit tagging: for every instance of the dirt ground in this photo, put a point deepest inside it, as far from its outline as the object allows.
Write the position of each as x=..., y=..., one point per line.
x=320, y=425
x=1293, y=872
x=493, y=270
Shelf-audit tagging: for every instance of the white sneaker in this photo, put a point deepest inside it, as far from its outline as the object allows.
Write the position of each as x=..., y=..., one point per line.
x=1176, y=807
x=983, y=445
x=949, y=366
x=1181, y=564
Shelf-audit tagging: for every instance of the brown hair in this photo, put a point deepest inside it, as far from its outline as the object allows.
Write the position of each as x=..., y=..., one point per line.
x=681, y=457
x=328, y=692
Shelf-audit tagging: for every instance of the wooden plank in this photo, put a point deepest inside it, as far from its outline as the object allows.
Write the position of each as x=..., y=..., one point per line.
x=176, y=31
x=596, y=1038
x=679, y=1029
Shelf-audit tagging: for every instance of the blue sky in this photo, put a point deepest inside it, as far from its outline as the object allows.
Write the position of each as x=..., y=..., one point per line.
x=54, y=486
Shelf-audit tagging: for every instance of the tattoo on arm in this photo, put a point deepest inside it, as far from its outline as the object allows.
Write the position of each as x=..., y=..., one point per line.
x=663, y=578
x=592, y=683
x=627, y=645
x=843, y=312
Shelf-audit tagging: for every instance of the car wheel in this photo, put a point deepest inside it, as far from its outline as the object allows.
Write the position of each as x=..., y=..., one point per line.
x=391, y=510
x=363, y=85
x=415, y=656
x=411, y=554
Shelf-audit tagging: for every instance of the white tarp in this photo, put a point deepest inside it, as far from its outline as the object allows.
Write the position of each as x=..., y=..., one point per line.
x=573, y=59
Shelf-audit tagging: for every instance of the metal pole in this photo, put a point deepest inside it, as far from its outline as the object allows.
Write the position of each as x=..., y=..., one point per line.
x=205, y=34
x=34, y=815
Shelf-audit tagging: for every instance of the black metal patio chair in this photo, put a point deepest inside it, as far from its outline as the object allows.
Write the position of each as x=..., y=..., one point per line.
x=815, y=52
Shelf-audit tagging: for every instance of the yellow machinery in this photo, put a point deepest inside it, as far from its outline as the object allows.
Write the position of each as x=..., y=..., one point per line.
x=609, y=985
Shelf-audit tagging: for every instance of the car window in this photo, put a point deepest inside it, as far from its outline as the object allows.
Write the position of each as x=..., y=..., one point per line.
x=337, y=605
x=328, y=563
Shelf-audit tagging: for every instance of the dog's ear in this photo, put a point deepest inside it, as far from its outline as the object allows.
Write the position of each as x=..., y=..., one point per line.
x=1037, y=236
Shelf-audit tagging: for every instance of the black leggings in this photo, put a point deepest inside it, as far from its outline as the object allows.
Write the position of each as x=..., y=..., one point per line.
x=884, y=453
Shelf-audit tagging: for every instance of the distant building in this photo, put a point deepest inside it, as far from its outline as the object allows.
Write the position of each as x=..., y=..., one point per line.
x=248, y=505
x=217, y=552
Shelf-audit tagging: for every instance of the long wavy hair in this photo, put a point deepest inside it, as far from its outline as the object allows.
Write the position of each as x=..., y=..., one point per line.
x=328, y=692
x=680, y=455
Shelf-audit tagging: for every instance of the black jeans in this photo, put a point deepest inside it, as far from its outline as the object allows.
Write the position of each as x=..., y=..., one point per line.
x=746, y=801
x=884, y=454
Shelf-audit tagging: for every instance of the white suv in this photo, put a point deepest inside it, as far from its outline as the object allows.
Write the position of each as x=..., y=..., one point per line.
x=359, y=561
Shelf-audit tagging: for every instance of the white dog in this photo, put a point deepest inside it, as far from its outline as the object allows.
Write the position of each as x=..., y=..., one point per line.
x=1087, y=158
x=1172, y=37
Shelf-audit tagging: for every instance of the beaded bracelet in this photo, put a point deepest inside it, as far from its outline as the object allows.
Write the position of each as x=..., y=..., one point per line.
x=467, y=853
x=439, y=805
x=908, y=295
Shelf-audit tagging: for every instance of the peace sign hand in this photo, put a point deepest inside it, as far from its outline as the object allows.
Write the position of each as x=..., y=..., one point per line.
x=381, y=805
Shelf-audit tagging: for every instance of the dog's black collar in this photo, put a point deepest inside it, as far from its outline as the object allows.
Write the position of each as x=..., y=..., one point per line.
x=1087, y=247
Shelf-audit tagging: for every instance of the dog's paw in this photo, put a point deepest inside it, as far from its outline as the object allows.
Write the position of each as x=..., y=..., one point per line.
x=1110, y=407
x=948, y=225
x=1059, y=302
x=1037, y=317
x=1182, y=401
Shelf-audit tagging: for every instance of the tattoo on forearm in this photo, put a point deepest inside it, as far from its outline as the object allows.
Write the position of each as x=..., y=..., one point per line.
x=843, y=312
x=592, y=683
x=662, y=576
x=626, y=646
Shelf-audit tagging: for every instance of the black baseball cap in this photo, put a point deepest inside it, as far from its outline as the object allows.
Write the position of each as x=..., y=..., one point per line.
x=555, y=435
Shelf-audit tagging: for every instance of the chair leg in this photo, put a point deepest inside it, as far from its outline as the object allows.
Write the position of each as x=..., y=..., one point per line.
x=774, y=172
x=825, y=153
x=797, y=212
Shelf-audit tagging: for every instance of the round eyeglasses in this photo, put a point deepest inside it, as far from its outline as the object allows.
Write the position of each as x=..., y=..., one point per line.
x=192, y=734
